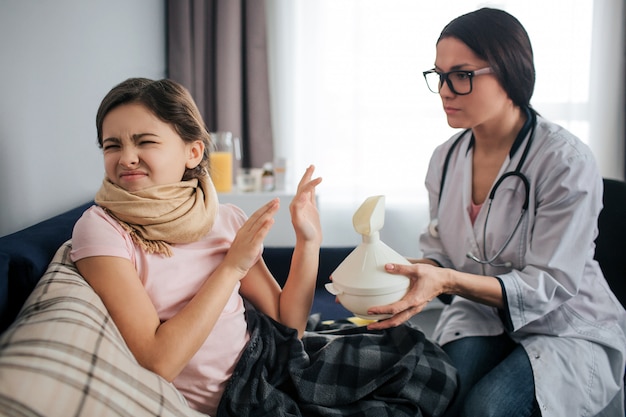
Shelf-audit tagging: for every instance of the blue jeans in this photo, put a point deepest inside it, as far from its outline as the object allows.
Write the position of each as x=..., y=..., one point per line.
x=495, y=378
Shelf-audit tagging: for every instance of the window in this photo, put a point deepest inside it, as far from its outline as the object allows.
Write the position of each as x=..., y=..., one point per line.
x=349, y=97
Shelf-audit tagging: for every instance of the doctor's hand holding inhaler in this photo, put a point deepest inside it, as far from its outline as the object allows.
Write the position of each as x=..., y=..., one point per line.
x=514, y=202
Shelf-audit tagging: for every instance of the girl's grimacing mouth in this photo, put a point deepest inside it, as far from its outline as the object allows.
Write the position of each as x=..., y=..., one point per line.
x=130, y=174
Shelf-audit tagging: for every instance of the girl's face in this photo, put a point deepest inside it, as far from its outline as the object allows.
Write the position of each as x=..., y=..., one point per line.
x=141, y=151
x=487, y=100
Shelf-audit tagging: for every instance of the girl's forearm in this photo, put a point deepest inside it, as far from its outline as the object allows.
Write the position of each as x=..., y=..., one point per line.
x=180, y=337
x=297, y=295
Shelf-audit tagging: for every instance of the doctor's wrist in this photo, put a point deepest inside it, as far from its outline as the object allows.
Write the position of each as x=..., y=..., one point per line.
x=433, y=262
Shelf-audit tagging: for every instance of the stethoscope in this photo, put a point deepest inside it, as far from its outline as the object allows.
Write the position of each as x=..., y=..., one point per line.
x=529, y=125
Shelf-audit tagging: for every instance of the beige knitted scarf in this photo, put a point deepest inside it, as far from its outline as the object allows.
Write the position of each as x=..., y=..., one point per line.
x=164, y=214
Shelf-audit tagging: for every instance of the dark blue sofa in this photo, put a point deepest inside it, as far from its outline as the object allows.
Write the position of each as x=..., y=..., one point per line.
x=24, y=257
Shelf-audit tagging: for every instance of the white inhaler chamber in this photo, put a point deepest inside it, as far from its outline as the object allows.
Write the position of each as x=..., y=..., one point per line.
x=360, y=281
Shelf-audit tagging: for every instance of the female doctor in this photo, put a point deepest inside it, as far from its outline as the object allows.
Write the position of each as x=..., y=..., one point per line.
x=533, y=327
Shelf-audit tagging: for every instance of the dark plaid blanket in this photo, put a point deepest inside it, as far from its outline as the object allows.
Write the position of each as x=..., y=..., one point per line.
x=345, y=371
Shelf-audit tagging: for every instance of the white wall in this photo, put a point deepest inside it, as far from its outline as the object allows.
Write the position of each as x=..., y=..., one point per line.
x=58, y=60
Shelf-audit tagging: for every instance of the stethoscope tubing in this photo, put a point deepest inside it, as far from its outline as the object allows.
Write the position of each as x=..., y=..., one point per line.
x=433, y=226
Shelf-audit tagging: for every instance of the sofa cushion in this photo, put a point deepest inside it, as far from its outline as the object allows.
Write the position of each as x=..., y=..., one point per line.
x=30, y=251
x=4, y=284
x=63, y=356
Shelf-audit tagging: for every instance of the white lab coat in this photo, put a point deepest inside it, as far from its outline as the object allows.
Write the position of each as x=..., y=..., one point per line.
x=560, y=307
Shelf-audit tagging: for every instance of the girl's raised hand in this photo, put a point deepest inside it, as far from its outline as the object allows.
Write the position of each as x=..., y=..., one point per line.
x=246, y=246
x=303, y=209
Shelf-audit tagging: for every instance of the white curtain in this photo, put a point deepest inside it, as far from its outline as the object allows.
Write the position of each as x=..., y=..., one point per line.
x=348, y=95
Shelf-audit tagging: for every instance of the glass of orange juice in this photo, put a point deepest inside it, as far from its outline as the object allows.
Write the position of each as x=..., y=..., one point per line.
x=221, y=161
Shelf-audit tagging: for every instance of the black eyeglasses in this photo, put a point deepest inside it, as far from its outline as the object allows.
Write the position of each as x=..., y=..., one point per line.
x=459, y=81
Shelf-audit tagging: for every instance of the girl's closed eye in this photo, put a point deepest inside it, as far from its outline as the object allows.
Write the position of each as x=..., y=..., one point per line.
x=110, y=144
x=143, y=139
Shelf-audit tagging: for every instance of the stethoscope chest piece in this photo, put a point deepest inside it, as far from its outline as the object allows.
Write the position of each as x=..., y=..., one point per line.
x=433, y=228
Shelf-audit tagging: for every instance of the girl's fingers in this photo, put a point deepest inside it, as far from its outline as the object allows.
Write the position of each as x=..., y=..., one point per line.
x=268, y=209
x=306, y=186
x=308, y=189
x=307, y=176
x=305, y=181
x=262, y=218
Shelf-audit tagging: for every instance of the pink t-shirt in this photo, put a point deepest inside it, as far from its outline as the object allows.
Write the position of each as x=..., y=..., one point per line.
x=171, y=282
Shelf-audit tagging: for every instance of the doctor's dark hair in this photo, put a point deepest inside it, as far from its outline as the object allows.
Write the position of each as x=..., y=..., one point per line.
x=500, y=39
x=171, y=103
